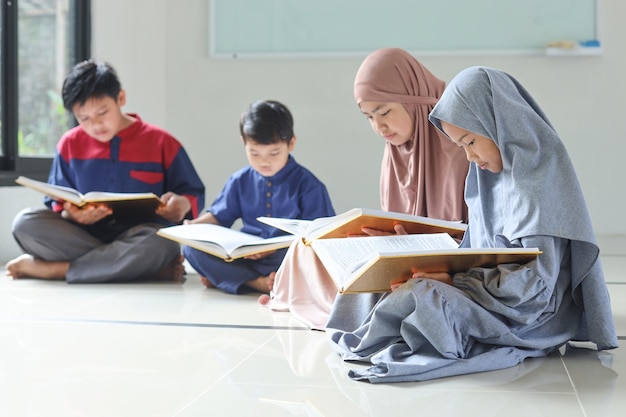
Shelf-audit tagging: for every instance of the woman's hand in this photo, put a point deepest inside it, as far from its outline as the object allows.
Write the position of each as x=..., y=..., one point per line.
x=398, y=229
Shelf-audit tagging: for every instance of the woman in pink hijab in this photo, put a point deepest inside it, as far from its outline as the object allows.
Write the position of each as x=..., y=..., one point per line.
x=421, y=174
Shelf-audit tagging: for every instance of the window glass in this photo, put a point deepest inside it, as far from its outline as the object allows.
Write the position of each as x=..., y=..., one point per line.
x=43, y=62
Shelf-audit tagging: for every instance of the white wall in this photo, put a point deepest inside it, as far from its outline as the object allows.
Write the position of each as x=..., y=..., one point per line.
x=160, y=49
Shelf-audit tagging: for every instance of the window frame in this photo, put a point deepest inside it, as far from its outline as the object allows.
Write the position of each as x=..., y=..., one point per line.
x=11, y=164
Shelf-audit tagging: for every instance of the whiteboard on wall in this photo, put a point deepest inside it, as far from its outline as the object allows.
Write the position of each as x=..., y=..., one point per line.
x=266, y=28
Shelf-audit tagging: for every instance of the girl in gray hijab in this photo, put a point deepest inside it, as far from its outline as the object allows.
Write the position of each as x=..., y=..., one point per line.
x=521, y=190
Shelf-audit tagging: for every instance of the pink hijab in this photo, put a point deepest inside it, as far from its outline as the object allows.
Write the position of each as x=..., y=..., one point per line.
x=426, y=175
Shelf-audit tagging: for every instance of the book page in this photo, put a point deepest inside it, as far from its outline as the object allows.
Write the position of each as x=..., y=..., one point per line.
x=297, y=227
x=51, y=190
x=301, y=227
x=104, y=196
x=228, y=239
x=342, y=256
x=378, y=272
x=385, y=221
x=311, y=229
x=60, y=192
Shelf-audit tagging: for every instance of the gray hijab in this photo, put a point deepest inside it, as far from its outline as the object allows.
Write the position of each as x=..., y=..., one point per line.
x=537, y=193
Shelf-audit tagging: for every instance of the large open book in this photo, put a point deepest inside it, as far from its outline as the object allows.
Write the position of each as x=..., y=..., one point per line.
x=226, y=243
x=372, y=264
x=122, y=204
x=353, y=221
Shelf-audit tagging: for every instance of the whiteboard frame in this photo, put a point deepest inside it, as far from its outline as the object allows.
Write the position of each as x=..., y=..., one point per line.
x=577, y=51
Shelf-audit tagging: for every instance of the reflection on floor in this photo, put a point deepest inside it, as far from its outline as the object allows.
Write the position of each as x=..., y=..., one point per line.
x=164, y=349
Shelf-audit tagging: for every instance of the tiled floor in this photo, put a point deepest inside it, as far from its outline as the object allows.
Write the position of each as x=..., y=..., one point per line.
x=164, y=349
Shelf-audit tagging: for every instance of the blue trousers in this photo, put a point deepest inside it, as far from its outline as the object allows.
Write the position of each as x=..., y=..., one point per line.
x=231, y=277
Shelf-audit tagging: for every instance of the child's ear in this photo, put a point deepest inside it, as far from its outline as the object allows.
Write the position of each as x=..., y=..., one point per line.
x=292, y=143
x=121, y=98
x=243, y=140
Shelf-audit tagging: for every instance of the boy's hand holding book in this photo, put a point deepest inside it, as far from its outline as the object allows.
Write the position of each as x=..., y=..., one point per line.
x=174, y=207
x=87, y=214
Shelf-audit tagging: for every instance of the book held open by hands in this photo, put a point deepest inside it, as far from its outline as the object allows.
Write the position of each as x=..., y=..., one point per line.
x=226, y=243
x=359, y=263
x=351, y=223
x=372, y=264
x=122, y=204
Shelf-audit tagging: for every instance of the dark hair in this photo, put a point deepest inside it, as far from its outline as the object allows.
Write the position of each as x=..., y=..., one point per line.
x=90, y=79
x=266, y=122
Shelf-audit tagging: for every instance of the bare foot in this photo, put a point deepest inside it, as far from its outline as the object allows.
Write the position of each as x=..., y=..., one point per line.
x=205, y=281
x=174, y=271
x=263, y=284
x=264, y=299
x=27, y=266
x=270, y=283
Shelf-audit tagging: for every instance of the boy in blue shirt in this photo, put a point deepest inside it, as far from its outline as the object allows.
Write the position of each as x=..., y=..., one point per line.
x=273, y=185
x=116, y=152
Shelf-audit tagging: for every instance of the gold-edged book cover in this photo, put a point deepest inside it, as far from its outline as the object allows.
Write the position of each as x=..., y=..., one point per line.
x=122, y=204
x=375, y=271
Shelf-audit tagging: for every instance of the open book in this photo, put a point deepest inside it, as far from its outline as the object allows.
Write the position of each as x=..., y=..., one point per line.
x=226, y=243
x=122, y=204
x=372, y=264
x=352, y=221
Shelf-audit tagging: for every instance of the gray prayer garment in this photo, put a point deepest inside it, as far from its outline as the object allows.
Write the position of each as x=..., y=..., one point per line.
x=491, y=318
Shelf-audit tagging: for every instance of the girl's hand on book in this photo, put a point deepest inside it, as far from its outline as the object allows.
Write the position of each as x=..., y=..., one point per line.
x=396, y=284
x=87, y=214
x=437, y=276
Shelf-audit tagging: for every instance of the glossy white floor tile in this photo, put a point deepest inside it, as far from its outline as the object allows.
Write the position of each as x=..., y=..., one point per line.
x=165, y=349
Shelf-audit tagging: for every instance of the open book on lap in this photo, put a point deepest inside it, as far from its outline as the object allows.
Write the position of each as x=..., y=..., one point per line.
x=351, y=223
x=223, y=242
x=122, y=204
x=372, y=264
